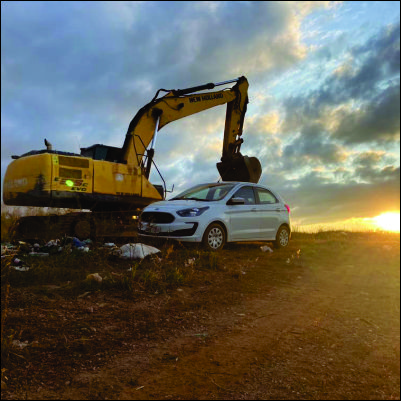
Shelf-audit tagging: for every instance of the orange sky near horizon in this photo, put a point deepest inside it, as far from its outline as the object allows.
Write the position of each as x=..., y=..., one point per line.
x=386, y=221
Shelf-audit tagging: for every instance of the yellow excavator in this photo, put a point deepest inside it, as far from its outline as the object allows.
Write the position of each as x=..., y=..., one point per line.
x=113, y=182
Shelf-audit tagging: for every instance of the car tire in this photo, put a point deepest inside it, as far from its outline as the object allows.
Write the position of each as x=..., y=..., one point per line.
x=282, y=237
x=214, y=237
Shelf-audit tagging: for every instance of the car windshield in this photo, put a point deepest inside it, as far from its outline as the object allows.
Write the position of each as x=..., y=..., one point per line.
x=211, y=192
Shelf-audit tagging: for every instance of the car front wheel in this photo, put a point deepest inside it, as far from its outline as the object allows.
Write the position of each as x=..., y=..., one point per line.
x=282, y=237
x=214, y=237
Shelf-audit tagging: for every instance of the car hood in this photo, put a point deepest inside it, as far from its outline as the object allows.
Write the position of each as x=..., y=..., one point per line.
x=175, y=205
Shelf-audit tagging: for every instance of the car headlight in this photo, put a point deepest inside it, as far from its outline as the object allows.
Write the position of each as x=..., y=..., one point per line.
x=194, y=211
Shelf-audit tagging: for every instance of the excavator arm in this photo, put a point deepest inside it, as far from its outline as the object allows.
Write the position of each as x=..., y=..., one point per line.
x=176, y=104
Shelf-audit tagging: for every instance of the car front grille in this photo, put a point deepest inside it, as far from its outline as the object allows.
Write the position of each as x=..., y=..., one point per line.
x=157, y=217
x=187, y=232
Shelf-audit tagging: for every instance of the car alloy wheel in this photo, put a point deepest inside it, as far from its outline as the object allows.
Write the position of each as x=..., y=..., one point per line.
x=214, y=237
x=282, y=238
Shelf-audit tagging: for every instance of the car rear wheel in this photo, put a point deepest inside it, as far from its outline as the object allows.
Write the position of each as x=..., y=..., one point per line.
x=282, y=237
x=214, y=237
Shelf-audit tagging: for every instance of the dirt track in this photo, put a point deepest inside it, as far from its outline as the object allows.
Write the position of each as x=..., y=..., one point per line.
x=325, y=326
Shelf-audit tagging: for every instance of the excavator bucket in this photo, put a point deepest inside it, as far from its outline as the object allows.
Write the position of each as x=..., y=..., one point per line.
x=240, y=168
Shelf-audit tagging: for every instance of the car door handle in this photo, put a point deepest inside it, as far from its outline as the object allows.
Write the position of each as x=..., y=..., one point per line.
x=278, y=210
x=253, y=209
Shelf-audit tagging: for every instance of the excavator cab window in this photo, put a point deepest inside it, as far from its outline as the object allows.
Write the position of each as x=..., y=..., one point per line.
x=103, y=152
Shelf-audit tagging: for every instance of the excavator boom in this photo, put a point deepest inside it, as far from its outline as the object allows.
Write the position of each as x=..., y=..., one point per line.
x=177, y=104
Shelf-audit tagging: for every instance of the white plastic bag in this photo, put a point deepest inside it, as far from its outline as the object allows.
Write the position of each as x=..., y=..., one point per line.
x=136, y=251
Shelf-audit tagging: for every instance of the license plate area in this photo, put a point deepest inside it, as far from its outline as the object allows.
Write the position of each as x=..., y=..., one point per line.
x=152, y=229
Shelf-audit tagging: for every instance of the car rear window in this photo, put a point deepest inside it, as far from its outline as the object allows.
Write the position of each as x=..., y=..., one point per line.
x=265, y=196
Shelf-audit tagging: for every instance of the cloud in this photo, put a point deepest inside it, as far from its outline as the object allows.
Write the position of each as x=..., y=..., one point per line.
x=312, y=146
x=378, y=120
x=362, y=94
x=318, y=200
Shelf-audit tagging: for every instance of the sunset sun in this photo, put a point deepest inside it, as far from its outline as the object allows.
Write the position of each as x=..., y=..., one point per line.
x=389, y=221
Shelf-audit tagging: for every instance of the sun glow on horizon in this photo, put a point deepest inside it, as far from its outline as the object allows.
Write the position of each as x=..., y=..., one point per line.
x=389, y=221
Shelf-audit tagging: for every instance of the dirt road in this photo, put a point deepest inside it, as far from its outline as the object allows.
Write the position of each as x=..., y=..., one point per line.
x=319, y=324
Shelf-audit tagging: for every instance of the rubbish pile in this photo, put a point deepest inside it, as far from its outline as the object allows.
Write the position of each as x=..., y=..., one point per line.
x=17, y=252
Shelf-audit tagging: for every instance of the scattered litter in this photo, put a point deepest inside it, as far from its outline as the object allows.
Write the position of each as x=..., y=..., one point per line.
x=21, y=268
x=18, y=262
x=77, y=243
x=139, y=388
x=53, y=243
x=19, y=344
x=190, y=262
x=8, y=250
x=41, y=254
x=109, y=244
x=83, y=248
x=266, y=248
x=136, y=251
x=94, y=277
x=24, y=247
x=296, y=259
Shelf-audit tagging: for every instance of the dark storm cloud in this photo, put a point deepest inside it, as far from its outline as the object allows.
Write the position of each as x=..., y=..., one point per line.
x=379, y=120
x=312, y=147
x=371, y=80
x=373, y=62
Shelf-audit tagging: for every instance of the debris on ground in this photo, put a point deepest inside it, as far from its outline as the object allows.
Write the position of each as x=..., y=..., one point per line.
x=19, y=344
x=266, y=248
x=296, y=259
x=41, y=254
x=190, y=262
x=8, y=249
x=94, y=277
x=19, y=265
x=135, y=251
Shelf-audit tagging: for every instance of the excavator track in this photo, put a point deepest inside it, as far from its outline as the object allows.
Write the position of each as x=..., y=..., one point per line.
x=94, y=225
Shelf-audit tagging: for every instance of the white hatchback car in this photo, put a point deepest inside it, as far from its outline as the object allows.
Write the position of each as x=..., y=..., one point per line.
x=221, y=212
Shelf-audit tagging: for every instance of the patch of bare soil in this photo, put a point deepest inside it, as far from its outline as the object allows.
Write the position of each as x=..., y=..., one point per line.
x=320, y=323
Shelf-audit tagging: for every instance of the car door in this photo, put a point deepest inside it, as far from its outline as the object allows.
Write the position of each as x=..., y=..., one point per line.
x=268, y=212
x=244, y=224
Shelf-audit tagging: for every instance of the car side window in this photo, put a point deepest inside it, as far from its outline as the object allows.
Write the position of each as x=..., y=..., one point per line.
x=265, y=196
x=246, y=193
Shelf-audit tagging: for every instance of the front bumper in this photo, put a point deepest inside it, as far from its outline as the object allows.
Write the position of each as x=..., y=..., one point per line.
x=183, y=231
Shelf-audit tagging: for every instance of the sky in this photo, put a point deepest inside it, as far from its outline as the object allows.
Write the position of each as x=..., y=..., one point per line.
x=324, y=91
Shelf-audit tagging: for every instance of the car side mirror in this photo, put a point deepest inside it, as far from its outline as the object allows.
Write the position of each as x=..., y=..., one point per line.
x=236, y=201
